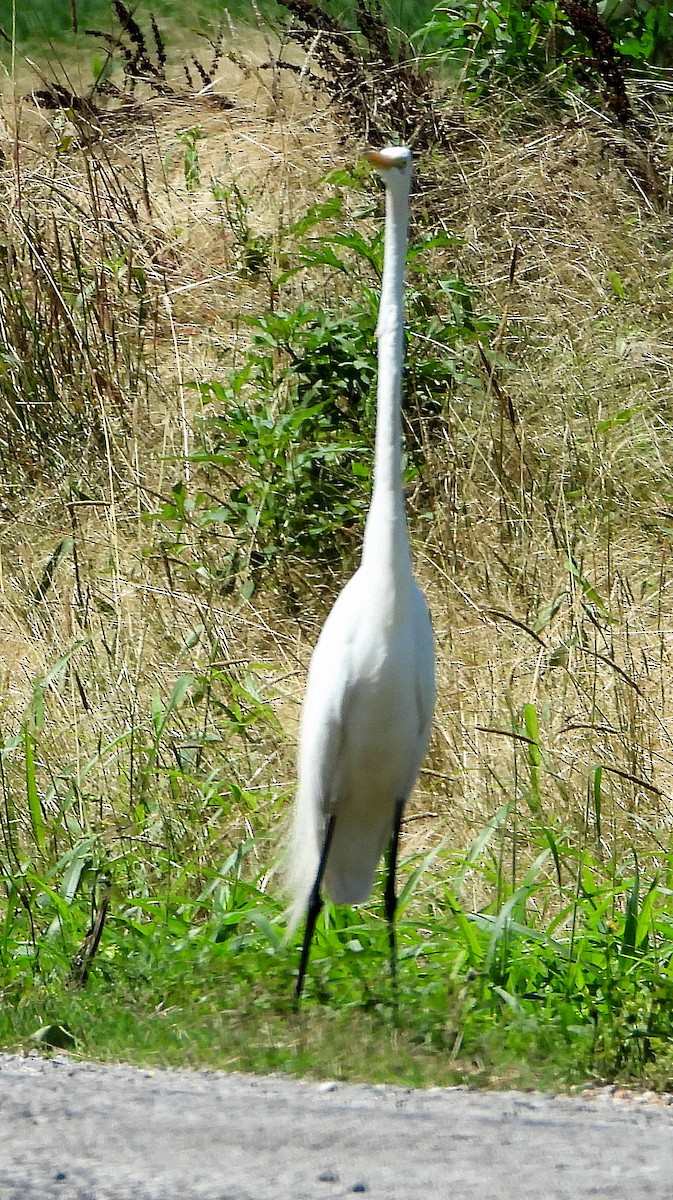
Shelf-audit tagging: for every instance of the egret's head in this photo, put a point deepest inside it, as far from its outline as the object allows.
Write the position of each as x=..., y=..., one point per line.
x=393, y=165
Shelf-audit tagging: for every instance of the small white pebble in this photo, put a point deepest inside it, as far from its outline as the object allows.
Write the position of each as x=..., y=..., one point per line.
x=328, y=1086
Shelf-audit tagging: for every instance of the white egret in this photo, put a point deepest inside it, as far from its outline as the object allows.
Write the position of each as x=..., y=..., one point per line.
x=370, y=693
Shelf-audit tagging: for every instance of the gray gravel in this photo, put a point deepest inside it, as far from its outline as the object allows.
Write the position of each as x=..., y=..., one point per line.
x=78, y=1130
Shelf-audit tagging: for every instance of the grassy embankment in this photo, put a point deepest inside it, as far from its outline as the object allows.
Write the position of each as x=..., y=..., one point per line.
x=185, y=460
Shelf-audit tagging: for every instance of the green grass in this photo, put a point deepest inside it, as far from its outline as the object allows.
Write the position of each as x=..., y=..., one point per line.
x=40, y=20
x=560, y=975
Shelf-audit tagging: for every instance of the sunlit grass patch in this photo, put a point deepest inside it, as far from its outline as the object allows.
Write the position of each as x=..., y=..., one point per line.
x=565, y=976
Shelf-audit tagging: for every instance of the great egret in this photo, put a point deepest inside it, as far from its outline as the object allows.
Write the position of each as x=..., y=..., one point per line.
x=370, y=692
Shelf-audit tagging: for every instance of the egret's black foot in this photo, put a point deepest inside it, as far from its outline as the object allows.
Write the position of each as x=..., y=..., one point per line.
x=390, y=901
x=312, y=912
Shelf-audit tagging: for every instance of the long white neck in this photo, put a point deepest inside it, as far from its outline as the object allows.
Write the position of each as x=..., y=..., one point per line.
x=386, y=541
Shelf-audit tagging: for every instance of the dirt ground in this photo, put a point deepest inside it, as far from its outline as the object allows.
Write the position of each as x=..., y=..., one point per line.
x=79, y=1131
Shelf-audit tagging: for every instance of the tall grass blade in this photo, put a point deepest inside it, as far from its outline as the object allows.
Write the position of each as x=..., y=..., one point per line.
x=631, y=917
x=598, y=802
x=481, y=841
x=411, y=882
x=34, y=805
x=534, y=755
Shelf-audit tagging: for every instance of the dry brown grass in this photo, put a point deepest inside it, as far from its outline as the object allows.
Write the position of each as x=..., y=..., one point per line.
x=525, y=471
x=585, y=334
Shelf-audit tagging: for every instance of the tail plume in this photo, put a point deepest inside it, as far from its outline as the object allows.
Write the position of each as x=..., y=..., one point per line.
x=303, y=858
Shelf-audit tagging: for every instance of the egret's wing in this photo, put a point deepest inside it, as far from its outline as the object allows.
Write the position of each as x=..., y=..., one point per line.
x=321, y=741
x=329, y=686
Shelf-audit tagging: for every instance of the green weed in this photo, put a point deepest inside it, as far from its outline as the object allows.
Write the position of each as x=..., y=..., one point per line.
x=288, y=437
x=189, y=140
x=563, y=988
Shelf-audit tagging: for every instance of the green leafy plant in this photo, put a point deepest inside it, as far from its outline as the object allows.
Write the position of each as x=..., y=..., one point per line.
x=477, y=42
x=296, y=449
x=189, y=140
x=289, y=433
x=252, y=249
x=643, y=31
x=478, y=39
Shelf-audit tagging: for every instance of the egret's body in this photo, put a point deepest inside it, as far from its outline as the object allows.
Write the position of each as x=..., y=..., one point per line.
x=370, y=692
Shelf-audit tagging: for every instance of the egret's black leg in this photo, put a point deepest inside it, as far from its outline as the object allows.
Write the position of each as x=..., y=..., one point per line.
x=390, y=900
x=314, y=906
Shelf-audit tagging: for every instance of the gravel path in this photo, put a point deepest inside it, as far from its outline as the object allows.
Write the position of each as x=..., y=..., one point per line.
x=78, y=1131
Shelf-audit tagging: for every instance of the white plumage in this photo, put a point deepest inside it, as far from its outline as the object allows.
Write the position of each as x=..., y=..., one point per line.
x=370, y=693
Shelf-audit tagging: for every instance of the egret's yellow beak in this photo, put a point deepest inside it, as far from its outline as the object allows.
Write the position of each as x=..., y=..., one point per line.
x=392, y=156
x=378, y=160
